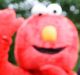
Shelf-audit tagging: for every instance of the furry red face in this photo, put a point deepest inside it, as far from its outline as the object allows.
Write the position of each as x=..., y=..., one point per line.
x=32, y=52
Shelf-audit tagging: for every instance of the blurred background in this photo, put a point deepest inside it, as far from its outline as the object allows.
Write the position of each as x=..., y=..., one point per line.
x=71, y=9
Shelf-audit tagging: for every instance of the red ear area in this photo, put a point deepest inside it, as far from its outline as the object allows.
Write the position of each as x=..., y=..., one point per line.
x=8, y=22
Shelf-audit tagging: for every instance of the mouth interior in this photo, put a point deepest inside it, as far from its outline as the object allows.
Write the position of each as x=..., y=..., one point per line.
x=49, y=50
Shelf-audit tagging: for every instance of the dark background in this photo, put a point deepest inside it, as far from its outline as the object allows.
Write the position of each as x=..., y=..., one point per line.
x=71, y=9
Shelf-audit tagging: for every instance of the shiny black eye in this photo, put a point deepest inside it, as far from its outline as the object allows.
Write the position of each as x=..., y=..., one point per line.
x=54, y=11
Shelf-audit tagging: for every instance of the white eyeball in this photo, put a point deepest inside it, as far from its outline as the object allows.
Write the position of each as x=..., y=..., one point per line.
x=39, y=9
x=54, y=9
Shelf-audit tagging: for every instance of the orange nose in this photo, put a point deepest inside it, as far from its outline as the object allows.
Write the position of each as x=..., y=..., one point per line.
x=49, y=33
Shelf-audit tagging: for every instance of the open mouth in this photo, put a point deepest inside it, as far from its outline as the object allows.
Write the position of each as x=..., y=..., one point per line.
x=49, y=50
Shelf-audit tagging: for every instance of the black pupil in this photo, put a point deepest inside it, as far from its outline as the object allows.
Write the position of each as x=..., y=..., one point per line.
x=40, y=14
x=54, y=11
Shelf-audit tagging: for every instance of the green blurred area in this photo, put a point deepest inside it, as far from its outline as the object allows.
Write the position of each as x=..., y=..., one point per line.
x=66, y=4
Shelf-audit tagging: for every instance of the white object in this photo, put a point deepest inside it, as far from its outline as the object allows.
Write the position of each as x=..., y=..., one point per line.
x=54, y=9
x=39, y=9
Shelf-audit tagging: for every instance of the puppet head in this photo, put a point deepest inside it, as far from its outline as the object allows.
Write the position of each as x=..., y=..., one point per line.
x=47, y=38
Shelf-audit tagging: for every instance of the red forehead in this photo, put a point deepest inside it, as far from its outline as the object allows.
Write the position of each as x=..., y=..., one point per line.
x=59, y=21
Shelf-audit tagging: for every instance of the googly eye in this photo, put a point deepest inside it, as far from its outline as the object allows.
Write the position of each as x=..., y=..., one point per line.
x=39, y=9
x=54, y=9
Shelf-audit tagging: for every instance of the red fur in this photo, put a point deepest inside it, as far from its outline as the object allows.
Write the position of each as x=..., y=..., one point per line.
x=29, y=60
x=41, y=63
x=9, y=24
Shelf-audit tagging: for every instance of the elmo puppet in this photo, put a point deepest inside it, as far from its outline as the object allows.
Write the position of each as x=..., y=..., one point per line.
x=46, y=44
